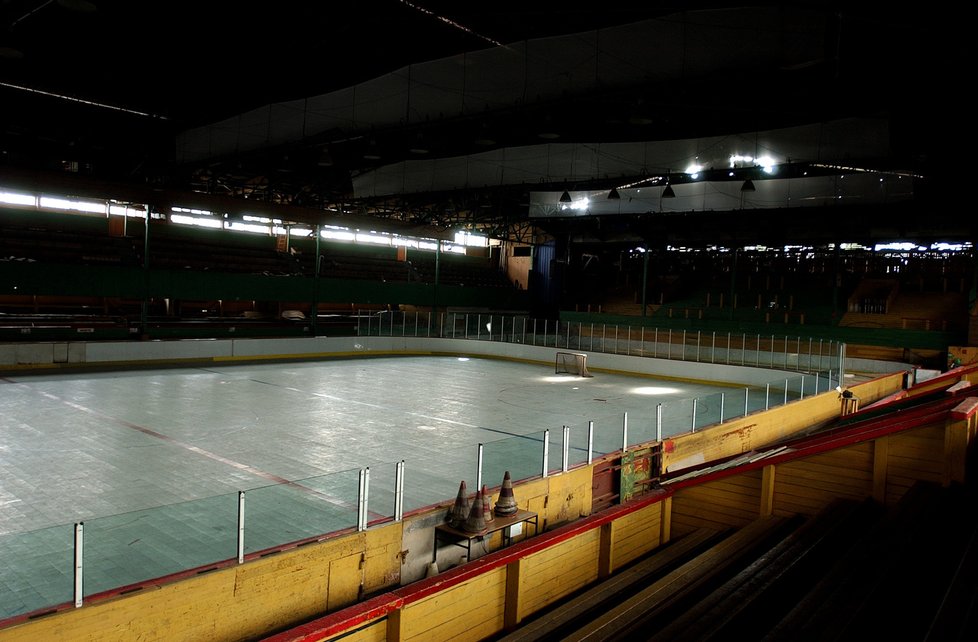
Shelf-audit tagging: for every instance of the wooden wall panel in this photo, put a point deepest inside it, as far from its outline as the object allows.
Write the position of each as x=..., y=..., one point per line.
x=806, y=486
x=569, y=497
x=636, y=534
x=728, y=502
x=913, y=456
x=553, y=573
x=472, y=610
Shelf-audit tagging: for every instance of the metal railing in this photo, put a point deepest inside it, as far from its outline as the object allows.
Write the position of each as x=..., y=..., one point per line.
x=780, y=351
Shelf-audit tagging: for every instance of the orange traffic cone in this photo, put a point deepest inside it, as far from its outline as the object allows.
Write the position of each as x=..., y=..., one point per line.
x=506, y=504
x=460, y=510
x=486, y=505
x=476, y=523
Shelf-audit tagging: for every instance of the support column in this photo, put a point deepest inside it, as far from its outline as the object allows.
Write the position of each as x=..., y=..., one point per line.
x=733, y=285
x=957, y=432
x=665, y=521
x=881, y=450
x=645, y=279
x=511, y=608
x=144, y=306
x=394, y=626
x=606, y=562
x=767, y=491
x=434, y=287
x=314, y=308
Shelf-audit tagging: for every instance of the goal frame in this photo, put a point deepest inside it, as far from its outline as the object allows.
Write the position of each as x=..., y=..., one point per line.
x=574, y=363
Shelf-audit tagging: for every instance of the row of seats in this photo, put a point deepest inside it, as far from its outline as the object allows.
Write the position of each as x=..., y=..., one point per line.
x=176, y=253
x=57, y=246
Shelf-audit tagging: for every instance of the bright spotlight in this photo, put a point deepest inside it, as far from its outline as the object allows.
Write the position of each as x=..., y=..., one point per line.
x=654, y=390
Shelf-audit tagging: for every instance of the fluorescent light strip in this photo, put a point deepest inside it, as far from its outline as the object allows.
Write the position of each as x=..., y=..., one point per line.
x=81, y=101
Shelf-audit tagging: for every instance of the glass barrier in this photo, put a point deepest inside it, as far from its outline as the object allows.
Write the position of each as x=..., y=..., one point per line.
x=577, y=446
x=521, y=455
x=282, y=513
x=429, y=485
x=129, y=548
x=383, y=488
x=641, y=427
x=555, y=453
x=37, y=569
x=607, y=436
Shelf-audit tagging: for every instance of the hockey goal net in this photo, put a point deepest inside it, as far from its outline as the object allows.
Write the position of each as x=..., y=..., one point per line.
x=573, y=363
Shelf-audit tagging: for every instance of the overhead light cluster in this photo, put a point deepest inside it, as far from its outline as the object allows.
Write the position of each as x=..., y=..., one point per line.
x=764, y=162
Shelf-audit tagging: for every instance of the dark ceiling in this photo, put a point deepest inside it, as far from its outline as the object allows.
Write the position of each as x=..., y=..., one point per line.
x=103, y=87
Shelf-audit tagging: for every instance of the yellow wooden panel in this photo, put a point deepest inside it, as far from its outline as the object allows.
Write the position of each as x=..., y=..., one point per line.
x=908, y=465
x=345, y=579
x=569, y=496
x=643, y=530
x=747, y=433
x=683, y=524
x=742, y=499
x=824, y=470
x=748, y=479
x=717, y=513
x=704, y=503
x=854, y=455
x=634, y=548
x=639, y=520
x=918, y=444
x=730, y=492
x=909, y=475
x=533, y=491
x=382, y=562
x=786, y=490
x=824, y=477
x=469, y=611
x=920, y=439
x=551, y=574
x=845, y=469
x=636, y=534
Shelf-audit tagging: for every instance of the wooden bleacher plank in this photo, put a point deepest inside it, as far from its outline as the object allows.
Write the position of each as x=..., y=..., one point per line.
x=765, y=588
x=681, y=580
x=542, y=627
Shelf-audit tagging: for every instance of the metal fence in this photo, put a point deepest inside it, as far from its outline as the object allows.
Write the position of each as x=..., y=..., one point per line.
x=781, y=351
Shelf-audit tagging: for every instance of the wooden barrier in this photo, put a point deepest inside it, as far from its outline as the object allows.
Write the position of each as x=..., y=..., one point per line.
x=757, y=430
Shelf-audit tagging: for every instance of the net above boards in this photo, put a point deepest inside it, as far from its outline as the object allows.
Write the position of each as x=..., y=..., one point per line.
x=573, y=363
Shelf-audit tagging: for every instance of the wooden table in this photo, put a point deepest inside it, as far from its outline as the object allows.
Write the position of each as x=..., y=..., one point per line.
x=462, y=538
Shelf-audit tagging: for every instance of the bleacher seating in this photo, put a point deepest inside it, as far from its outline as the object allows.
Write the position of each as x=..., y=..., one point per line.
x=183, y=254
x=854, y=571
x=458, y=270
x=24, y=243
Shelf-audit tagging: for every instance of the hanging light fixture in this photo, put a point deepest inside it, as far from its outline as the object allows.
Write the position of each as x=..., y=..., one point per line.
x=565, y=197
x=748, y=186
x=613, y=194
x=667, y=192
